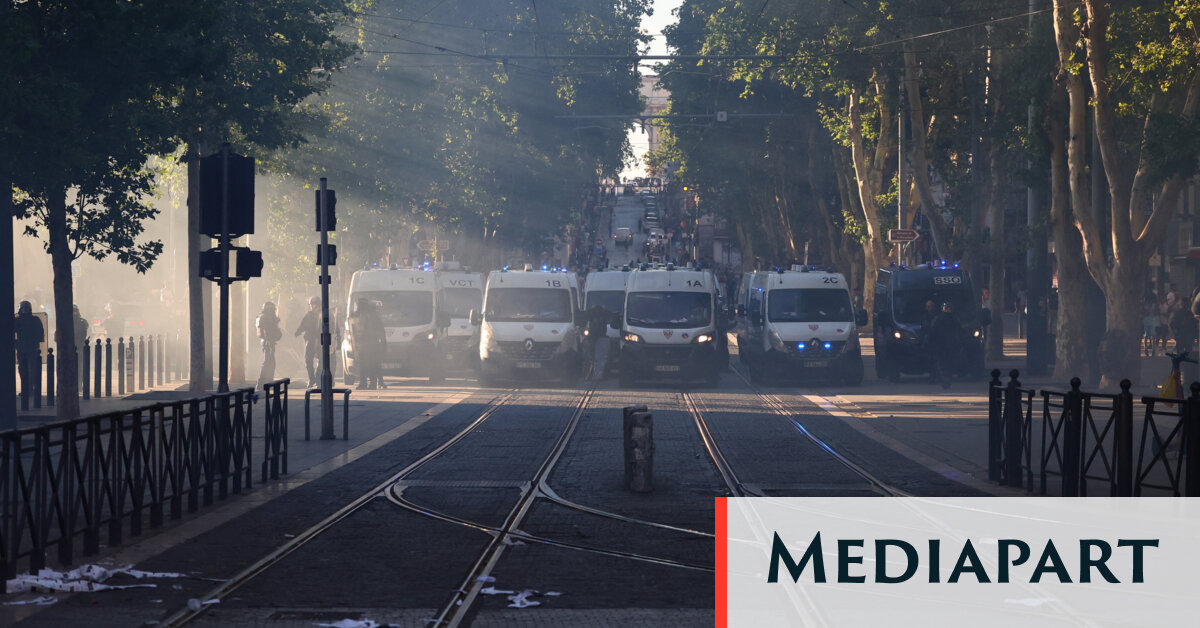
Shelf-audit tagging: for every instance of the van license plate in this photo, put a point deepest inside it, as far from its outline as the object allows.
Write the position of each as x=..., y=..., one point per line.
x=817, y=364
x=667, y=368
x=391, y=365
x=529, y=365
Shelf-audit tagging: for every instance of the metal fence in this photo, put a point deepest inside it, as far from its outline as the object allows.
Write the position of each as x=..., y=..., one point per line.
x=1091, y=441
x=108, y=368
x=63, y=485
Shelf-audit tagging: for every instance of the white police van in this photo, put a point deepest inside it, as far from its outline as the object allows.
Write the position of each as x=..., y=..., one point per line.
x=530, y=325
x=406, y=302
x=606, y=289
x=458, y=292
x=669, y=326
x=801, y=322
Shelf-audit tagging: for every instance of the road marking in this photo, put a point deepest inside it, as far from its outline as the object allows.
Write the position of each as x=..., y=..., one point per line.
x=853, y=416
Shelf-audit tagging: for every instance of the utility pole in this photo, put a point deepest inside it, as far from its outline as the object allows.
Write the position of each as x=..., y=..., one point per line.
x=901, y=197
x=223, y=283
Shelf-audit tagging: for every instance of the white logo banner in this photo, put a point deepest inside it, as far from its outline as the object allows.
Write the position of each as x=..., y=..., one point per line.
x=975, y=562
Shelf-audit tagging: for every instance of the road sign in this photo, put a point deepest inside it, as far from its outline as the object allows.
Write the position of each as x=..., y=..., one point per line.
x=902, y=235
x=428, y=245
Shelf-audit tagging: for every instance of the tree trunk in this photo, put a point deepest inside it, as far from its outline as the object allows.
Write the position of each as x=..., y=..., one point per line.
x=1120, y=350
x=1073, y=277
x=917, y=159
x=8, y=371
x=67, y=372
x=997, y=301
x=200, y=381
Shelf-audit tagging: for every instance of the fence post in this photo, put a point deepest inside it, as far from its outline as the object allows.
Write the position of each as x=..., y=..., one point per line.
x=995, y=423
x=26, y=360
x=162, y=359
x=1072, y=439
x=141, y=363
x=108, y=372
x=1012, y=430
x=49, y=376
x=98, y=375
x=1191, y=443
x=150, y=360
x=1123, y=440
x=121, y=365
x=83, y=358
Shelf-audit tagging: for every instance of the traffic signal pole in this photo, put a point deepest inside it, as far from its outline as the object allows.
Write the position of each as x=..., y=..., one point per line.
x=223, y=281
x=326, y=375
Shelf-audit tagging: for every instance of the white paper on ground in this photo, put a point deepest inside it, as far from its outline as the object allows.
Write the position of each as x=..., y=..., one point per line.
x=41, y=600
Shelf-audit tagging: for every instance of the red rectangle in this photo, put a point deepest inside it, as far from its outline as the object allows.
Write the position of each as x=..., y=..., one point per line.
x=721, y=597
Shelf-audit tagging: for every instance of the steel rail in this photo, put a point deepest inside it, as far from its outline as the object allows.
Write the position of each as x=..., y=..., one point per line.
x=456, y=610
x=780, y=408
x=724, y=469
x=223, y=590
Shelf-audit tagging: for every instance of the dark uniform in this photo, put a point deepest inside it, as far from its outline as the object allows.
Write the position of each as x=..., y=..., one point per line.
x=29, y=337
x=369, y=341
x=310, y=327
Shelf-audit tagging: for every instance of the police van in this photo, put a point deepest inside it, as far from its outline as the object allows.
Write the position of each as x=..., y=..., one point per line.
x=903, y=296
x=405, y=300
x=530, y=325
x=606, y=289
x=801, y=322
x=669, y=326
x=458, y=292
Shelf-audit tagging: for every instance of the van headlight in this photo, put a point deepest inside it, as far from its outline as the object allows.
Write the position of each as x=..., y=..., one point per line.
x=703, y=338
x=429, y=336
x=632, y=338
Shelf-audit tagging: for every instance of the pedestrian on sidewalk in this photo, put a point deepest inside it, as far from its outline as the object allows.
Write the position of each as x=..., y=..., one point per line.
x=369, y=340
x=310, y=327
x=29, y=337
x=269, y=335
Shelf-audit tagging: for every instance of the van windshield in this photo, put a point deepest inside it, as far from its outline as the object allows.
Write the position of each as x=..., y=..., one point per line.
x=669, y=310
x=458, y=302
x=611, y=300
x=909, y=305
x=809, y=305
x=400, y=309
x=543, y=305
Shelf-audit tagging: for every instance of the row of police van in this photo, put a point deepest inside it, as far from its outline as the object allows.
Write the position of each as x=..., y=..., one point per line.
x=530, y=322
x=662, y=322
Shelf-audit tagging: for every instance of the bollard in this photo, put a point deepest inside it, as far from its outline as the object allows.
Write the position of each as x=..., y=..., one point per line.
x=130, y=366
x=121, y=366
x=24, y=369
x=1012, y=430
x=150, y=360
x=639, y=449
x=995, y=425
x=98, y=372
x=1072, y=443
x=1123, y=440
x=162, y=359
x=49, y=376
x=37, y=379
x=1191, y=443
x=108, y=372
x=141, y=363
x=82, y=361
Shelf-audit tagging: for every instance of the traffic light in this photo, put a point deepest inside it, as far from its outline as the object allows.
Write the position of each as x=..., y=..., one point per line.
x=330, y=210
x=247, y=263
x=332, y=249
x=210, y=264
x=241, y=195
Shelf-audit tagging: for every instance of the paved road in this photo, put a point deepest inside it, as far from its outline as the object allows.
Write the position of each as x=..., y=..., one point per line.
x=615, y=556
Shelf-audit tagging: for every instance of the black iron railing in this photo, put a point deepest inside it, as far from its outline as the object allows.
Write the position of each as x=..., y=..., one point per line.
x=64, y=485
x=1095, y=441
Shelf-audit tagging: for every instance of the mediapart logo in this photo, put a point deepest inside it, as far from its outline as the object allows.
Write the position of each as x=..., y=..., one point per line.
x=1092, y=560
x=981, y=562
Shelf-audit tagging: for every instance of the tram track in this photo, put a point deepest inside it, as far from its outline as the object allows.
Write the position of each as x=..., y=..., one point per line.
x=192, y=611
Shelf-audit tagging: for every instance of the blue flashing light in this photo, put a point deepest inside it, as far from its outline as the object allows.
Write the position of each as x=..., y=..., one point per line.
x=545, y=267
x=801, y=346
x=828, y=346
x=956, y=265
x=374, y=264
